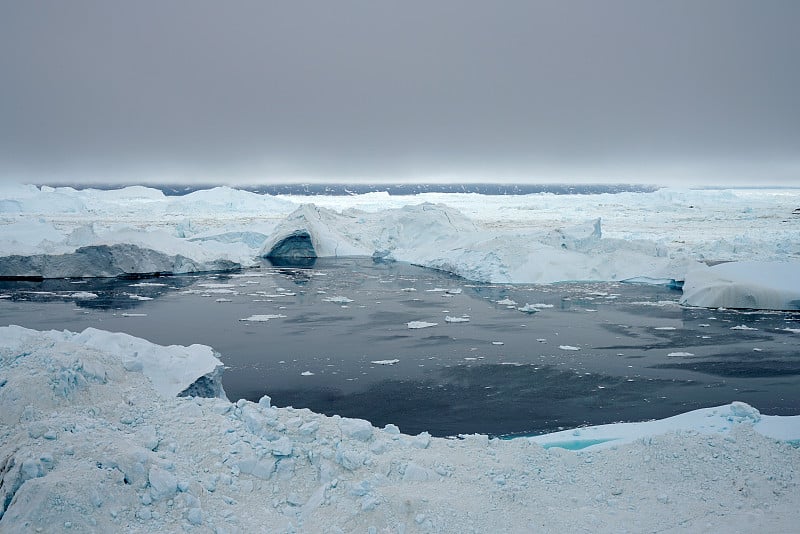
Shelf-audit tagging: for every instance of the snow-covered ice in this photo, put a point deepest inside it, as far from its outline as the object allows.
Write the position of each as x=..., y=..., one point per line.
x=541, y=238
x=414, y=325
x=263, y=318
x=93, y=439
x=746, y=284
x=94, y=436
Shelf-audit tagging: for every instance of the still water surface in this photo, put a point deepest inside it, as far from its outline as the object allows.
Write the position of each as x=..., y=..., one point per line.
x=502, y=372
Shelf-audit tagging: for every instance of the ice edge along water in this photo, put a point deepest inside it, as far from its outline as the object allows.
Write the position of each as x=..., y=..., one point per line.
x=91, y=422
x=47, y=232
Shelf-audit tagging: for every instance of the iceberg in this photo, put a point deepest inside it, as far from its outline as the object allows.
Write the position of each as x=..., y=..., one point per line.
x=103, y=261
x=537, y=238
x=746, y=284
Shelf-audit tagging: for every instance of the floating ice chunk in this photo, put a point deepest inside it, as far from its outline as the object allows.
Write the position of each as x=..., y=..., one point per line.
x=454, y=291
x=408, y=289
x=263, y=318
x=746, y=284
x=420, y=324
x=449, y=319
x=134, y=315
x=83, y=295
x=306, y=373
x=792, y=330
x=568, y=347
x=665, y=328
x=743, y=327
x=139, y=297
x=506, y=302
x=497, y=343
x=528, y=308
x=385, y=362
x=223, y=300
x=338, y=299
x=679, y=353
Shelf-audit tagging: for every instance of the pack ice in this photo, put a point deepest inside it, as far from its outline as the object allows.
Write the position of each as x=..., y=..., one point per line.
x=93, y=438
x=542, y=238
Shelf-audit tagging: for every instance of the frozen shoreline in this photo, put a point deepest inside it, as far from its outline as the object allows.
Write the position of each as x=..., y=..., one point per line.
x=84, y=426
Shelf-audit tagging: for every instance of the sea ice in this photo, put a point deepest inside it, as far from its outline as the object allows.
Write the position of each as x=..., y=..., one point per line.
x=420, y=324
x=263, y=318
x=115, y=449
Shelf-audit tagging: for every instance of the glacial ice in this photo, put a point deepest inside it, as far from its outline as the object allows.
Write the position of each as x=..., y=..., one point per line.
x=643, y=237
x=89, y=441
x=746, y=284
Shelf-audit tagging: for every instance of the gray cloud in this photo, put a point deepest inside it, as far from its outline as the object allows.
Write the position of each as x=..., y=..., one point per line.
x=703, y=91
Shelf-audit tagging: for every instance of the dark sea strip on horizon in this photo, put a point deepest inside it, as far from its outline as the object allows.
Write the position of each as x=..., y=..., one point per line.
x=391, y=189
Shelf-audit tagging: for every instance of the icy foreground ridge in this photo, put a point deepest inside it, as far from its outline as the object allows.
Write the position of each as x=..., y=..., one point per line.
x=85, y=426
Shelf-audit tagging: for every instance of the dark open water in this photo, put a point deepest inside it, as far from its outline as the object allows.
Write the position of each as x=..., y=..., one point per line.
x=641, y=356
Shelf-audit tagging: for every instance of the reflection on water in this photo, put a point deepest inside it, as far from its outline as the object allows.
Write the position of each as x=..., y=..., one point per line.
x=493, y=369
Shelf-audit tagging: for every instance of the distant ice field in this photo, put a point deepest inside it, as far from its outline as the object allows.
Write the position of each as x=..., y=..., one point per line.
x=340, y=338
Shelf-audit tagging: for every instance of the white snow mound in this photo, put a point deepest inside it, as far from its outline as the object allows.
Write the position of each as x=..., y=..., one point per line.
x=89, y=444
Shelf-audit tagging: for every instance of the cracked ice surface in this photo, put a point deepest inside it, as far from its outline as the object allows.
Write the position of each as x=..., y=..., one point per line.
x=86, y=429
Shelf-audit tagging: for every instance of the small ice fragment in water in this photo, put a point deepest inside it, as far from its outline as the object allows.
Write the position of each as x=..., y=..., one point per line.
x=83, y=295
x=262, y=318
x=338, y=299
x=420, y=324
x=497, y=343
x=743, y=327
x=449, y=319
x=568, y=347
x=666, y=328
x=134, y=315
x=385, y=362
x=506, y=302
x=306, y=373
x=680, y=354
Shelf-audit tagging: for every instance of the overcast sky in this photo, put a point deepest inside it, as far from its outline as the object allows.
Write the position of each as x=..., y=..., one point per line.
x=659, y=91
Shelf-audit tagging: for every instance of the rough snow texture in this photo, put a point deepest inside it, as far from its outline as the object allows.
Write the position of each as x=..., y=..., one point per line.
x=88, y=446
x=530, y=238
x=751, y=284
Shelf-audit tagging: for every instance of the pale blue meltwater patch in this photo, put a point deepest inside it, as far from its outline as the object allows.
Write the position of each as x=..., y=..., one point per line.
x=575, y=445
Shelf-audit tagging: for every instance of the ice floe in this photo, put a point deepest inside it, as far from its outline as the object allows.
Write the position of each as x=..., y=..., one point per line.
x=91, y=421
